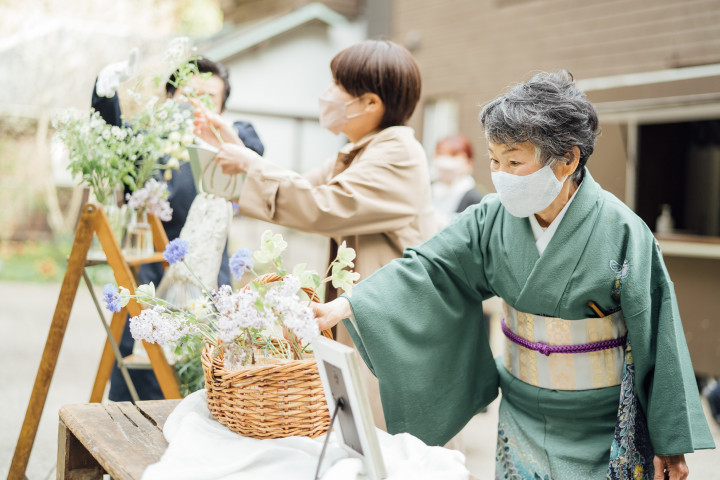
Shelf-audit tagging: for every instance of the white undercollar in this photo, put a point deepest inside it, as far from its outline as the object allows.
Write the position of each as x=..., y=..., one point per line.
x=544, y=235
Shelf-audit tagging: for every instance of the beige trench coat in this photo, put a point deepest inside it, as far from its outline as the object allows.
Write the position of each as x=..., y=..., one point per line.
x=375, y=196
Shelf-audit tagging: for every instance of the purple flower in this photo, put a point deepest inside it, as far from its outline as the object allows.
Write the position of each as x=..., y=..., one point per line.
x=240, y=262
x=111, y=297
x=176, y=250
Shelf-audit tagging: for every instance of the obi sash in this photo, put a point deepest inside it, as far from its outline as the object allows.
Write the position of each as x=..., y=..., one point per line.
x=558, y=354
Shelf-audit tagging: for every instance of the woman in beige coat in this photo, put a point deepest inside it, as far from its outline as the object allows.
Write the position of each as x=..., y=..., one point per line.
x=375, y=195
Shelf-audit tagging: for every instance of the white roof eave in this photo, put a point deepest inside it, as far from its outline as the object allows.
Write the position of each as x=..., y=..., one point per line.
x=233, y=45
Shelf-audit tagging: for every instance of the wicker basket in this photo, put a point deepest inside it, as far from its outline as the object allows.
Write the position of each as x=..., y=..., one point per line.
x=275, y=399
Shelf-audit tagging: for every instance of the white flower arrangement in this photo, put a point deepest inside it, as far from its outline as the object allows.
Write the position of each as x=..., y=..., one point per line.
x=243, y=323
x=151, y=141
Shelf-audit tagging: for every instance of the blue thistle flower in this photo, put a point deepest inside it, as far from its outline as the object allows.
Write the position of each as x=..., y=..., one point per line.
x=111, y=297
x=240, y=262
x=176, y=250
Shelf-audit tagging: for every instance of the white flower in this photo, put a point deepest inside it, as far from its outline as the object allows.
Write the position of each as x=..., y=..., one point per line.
x=136, y=96
x=344, y=278
x=156, y=326
x=177, y=51
x=271, y=247
x=174, y=137
x=153, y=197
x=106, y=134
x=174, y=126
x=234, y=357
x=238, y=312
x=345, y=255
x=173, y=163
x=124, y=296
x=145, y=294
x=162, y=114
x=199, y=307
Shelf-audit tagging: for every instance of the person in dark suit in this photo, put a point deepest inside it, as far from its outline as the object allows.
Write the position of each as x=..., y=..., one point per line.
x=454, y=188
x=182, y=193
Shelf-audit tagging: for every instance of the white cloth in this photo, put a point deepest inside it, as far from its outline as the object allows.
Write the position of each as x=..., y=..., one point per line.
x=446, y=198
x=206, y=231
x=201, y=448
x=543, y=235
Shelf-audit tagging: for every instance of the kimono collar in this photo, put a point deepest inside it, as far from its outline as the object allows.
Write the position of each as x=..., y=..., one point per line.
x=543, y=280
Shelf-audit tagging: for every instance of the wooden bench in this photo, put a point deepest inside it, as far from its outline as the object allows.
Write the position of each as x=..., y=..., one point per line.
x=120, y=439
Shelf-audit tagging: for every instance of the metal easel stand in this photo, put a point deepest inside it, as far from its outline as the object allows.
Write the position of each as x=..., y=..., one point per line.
x=339, y=405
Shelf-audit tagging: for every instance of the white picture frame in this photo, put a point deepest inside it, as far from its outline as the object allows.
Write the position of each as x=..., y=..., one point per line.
x=354, y=425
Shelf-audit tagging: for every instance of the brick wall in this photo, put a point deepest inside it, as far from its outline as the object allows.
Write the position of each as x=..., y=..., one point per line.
x=472, y=49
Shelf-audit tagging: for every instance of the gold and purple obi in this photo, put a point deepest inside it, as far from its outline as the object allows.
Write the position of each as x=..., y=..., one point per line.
x=559, y=354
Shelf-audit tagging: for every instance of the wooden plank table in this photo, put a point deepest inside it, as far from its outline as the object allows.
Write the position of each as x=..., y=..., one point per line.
x=120, y=439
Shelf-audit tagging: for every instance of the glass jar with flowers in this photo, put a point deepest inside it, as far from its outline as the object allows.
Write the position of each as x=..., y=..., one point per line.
x=152, y=199
x=258, y=339
x=100, y=155
x=115, y=158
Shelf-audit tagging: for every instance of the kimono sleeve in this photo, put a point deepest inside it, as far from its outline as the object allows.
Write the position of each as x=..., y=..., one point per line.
x=665, y=380
x=418, y=324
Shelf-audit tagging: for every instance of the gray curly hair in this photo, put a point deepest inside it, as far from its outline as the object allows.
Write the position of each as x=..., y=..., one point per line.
x=547, y=111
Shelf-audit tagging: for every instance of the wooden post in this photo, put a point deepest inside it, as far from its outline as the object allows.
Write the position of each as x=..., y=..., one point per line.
x=92, y=219
x=107, y=359
x=48, y=361
x=165, y=374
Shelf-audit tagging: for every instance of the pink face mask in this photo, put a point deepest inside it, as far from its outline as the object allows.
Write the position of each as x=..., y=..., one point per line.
x=333, y=111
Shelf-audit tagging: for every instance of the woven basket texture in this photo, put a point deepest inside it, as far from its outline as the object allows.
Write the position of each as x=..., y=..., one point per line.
x=274, y=399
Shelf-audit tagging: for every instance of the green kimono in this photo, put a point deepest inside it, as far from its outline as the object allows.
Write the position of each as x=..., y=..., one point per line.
x=418, y=325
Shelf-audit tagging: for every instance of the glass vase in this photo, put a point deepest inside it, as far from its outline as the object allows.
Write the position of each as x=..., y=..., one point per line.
x=117, y=218
x=139, y=239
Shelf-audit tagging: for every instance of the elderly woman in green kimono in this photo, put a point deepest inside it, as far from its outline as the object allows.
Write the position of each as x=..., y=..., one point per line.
x=596, y=377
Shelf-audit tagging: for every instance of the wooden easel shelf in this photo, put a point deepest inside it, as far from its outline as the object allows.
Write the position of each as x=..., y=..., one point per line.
x=92, y=220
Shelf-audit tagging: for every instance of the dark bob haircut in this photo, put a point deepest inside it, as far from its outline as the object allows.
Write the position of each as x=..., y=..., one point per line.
x=384, y=68
x=205, y=66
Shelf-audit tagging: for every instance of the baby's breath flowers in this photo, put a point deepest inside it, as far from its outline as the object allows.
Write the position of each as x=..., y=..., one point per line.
x=244, y=323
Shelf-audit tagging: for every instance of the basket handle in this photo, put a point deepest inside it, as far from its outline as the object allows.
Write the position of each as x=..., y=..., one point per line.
x=311, y=293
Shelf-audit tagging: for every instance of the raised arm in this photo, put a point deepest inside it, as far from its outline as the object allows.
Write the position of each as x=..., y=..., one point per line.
x=377, y=193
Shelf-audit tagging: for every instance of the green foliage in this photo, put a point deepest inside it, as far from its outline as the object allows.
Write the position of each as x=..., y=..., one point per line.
x=43, y=262
x=189, y=366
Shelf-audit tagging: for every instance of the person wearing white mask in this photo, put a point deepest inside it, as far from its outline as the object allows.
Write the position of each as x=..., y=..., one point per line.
x=596, y=377
x=374, y=195
x=454, y=188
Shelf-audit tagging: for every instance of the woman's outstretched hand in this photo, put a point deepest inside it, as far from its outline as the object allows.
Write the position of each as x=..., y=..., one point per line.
x=672, y=467
x=235, y=159
x=211, y=127
x=329, y=314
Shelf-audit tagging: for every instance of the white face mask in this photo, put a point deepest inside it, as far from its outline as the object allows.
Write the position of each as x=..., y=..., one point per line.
x=450, y=168
x=525, y=195
x=333, y=112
